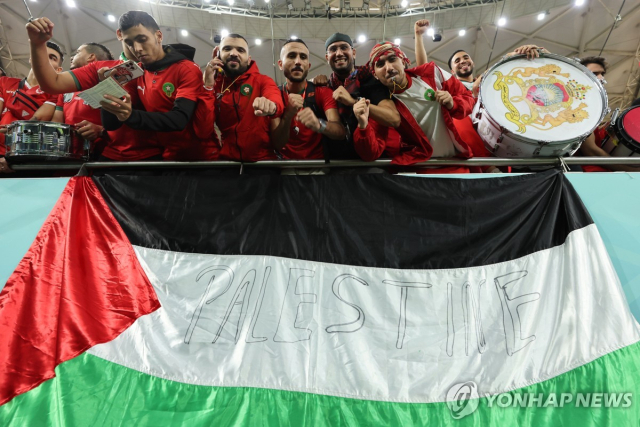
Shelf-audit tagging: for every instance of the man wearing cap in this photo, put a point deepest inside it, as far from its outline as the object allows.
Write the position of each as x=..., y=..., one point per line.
x=427, y=99
x=349, y=83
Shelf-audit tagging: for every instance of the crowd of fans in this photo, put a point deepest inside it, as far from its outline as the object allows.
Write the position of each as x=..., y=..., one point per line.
x=370, y=111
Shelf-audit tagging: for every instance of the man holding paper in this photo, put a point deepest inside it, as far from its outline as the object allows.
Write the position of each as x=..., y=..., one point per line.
x=125, y=143
x=168, y=90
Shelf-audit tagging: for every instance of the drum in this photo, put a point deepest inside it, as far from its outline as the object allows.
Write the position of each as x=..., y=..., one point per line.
x=543, y=107
x=623, y=133
x=43, y=141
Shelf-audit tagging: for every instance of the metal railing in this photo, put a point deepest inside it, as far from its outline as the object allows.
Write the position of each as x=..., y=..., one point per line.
x=305, y=164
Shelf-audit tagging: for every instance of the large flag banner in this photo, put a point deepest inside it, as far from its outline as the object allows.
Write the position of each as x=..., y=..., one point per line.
x=318, y=301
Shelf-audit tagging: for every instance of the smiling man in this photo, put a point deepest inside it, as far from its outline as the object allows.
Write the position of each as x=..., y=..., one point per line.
x=244, y=99
x=310, y=111
x=349, y=83
x=427, y=99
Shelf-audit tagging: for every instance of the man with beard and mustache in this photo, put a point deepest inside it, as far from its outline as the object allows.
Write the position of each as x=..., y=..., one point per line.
x=427, y=99
x=74, y=111
x=349, y=83
x=245, y=101
x=170, y=92
x=310, y=112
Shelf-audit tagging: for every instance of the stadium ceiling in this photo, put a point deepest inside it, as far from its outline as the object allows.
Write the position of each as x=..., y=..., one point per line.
x=559, y=25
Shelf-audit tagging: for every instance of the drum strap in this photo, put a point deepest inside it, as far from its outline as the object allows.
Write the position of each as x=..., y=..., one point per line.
x=24, y=98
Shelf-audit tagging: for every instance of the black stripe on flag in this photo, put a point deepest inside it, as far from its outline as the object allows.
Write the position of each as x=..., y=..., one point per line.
x=367, y=220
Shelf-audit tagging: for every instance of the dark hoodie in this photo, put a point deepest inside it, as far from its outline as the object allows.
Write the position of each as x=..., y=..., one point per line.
x=170, y=91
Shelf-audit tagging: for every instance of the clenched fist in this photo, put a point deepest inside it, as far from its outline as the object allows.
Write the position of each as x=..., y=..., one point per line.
x=264, y=107
x=361, y=111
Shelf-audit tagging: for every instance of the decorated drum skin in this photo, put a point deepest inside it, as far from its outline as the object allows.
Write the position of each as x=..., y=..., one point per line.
x=541, y=107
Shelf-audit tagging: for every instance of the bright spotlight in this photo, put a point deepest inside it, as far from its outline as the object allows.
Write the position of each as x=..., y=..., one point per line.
x=462, y=32
x=404, y=3
x=224, y=33
x=71, y=3
x=184, y=33
x=294, y=37
x=502, y=22
x=111, y=18
x=430, y=32
x=579, y=2
x=362, y=38
x=258, y=42
x=397, y=41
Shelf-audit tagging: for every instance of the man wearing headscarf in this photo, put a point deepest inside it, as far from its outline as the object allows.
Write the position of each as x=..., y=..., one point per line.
x=427, y=99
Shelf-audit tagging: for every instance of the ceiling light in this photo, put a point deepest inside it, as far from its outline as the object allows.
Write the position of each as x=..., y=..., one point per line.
x=184, y=33
x=362, y=38
x=541, y=16
x=230, y=2
x=404, y=3
x=294, y=37
x=430, y=32
x=71, y=3
x=462, y=32
x=224, y=33
x=502, y=22
x=397, y=41
x=579, y=2
x=111, y=18
x=258, y=42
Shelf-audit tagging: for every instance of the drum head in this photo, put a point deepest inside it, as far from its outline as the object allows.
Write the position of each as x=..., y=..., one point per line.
x=631, y=123
x=550, y=98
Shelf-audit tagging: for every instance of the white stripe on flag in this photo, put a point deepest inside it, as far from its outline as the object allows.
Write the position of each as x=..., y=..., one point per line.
x=375, y=333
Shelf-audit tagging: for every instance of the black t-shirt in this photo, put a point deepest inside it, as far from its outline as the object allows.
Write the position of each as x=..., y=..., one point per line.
x=370, y=89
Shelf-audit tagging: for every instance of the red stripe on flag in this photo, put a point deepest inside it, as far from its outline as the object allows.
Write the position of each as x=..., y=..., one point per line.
x=80, y=284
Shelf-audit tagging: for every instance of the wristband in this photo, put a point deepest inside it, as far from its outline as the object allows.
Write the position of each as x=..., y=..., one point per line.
x=323, y=125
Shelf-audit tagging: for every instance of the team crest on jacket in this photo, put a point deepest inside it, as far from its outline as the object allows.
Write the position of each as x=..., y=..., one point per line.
x=168, y=88
x=246, y=89
x=550, y=101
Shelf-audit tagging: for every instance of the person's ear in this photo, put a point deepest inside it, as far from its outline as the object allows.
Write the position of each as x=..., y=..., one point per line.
x=354, y=53
x=159, y=37
x=280, y=64
x=119, y=35
x=250, y=60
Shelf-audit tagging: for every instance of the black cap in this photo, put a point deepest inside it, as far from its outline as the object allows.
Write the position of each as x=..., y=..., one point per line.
x=185, y=49
x=337, y=37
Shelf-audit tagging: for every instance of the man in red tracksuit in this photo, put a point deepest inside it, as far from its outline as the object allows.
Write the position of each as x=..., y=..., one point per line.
x=245, y=101
x=427, y=99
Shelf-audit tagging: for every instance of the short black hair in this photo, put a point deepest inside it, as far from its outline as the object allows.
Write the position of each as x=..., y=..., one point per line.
x=454, y=54
x=595, y=60
x=58, y=49
x=137, y=17
x=101, y=52
x=295, y=41
x=235, y=36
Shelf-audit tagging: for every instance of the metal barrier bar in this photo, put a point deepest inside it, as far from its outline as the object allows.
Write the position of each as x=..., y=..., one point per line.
x=286, y=164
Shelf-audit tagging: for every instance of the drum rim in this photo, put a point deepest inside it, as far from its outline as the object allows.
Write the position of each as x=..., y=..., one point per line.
x=621, y=120
x=38, y=122
x=603, y=92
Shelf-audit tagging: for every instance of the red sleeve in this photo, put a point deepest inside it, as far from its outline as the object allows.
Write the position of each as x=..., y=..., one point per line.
x=463, y=100
x=86, y=77
x=324, y=97
x=271, y=91
x=370, y=143
x=204, y=117
x=190, y=83
x=60, y=102
x=2, y=95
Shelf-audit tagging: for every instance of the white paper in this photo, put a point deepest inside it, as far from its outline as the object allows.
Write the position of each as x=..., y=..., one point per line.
x=95, y=95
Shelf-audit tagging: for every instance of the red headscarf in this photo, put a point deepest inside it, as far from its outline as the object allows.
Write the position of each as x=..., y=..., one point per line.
x=383, y=49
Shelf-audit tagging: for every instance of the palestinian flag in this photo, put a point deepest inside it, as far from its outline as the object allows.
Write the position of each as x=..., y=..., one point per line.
x=317, y=301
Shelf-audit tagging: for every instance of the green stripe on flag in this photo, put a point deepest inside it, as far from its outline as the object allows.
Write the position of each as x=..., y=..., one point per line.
x=89, y=391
